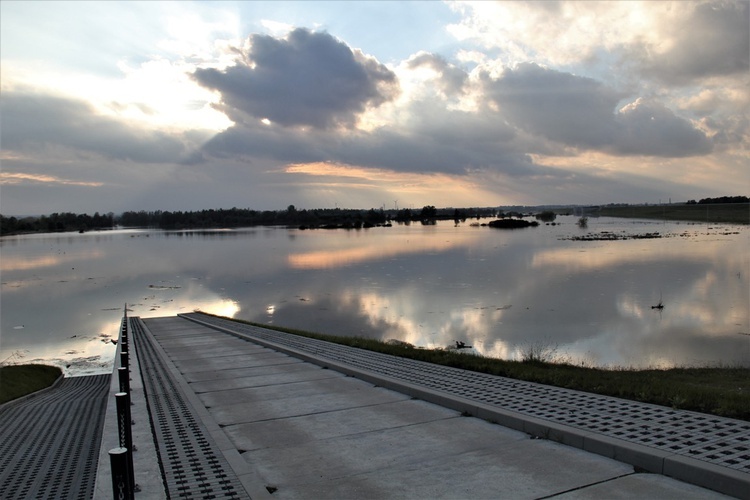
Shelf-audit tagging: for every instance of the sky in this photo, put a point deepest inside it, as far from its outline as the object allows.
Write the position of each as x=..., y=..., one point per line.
x=116, y=106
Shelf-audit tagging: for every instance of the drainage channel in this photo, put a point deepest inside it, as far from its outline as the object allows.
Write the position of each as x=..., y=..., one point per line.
x=49, y=444
x=718, y=443
x=191, y=464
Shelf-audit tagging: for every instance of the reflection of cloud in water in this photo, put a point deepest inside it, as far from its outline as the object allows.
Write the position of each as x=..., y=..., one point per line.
x=607, y=255
x=403, y=315
x=24, y=263
x=380, y=247
x=170, y=301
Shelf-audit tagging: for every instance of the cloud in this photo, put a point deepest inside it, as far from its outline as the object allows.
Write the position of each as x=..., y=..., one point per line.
x=563, y=107
x=37, y=122
x=642, y=43
x=526, y=114
x=18, y=178
x=712, y=40
x=433, y=139
x=648, y=128
x=452, y=79
x=306, y=79
x=580, y=112
x=553, y=32
x=537, y=102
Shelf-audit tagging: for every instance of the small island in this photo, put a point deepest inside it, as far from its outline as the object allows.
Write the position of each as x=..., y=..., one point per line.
x=512, y=223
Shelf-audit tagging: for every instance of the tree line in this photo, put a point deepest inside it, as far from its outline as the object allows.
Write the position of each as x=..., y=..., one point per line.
x=240, y=217
x=236, y=217
x=56, y=222
x=721, y=199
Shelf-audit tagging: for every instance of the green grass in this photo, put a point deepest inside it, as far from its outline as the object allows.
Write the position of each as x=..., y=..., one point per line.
x=20, y=380
x=723, y=391
x=735, y=213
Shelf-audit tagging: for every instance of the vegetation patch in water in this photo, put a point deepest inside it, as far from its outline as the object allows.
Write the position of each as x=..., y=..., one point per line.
x=512, y=223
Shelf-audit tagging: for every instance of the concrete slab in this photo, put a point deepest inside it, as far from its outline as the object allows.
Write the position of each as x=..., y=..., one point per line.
x=189, y=353
x=295, y=431
x=256, y=411
x=292, y=431
x=273, y=391
x=643, y=487
x=259, y=381
x=274, y=366
x=220, y=363
x=424, y=461
x=255, y=362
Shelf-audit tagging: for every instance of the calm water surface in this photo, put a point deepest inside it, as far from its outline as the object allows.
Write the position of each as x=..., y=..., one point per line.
x=500, y=291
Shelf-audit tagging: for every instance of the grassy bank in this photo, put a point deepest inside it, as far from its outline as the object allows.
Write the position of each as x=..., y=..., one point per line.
x=735, y=213
x=20, y=380
x=718, y=391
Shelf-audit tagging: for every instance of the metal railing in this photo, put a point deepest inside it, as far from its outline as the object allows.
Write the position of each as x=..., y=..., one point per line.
x=121, y=458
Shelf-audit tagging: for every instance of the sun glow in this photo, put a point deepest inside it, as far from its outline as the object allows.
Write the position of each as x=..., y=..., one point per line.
x=420, y=188
x=19, y=178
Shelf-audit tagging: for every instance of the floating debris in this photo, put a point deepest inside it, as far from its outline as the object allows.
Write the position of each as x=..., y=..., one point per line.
x=607, y=236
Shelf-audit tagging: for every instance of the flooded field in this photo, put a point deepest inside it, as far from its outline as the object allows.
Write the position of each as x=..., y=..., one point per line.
x=586, y=295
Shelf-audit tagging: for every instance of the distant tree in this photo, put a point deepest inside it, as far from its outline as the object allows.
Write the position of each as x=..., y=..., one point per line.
x=404, y=215
x=428, y=212
x=8, y=225
x=546, y=216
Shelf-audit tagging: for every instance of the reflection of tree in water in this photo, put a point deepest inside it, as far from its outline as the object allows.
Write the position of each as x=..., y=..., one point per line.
x=14, y=358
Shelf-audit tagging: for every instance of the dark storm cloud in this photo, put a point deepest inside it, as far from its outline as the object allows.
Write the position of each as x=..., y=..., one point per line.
x=437, y=140
x=581, y=112
x=33, y=122
x=305, y=79
x=715, y=41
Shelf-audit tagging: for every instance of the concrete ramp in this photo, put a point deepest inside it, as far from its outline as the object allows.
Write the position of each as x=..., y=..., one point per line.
x=288, y=428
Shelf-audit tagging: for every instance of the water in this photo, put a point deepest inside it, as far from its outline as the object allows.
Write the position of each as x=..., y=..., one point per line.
x=501, y=291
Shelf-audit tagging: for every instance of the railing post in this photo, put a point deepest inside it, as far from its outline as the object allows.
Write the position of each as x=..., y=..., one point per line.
x=124, y=378
x=124, y=337
x=125, y=433
x=124, y=359
x=121, y=486
x=124, y=333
